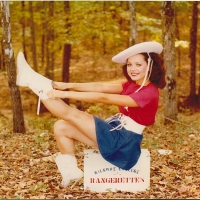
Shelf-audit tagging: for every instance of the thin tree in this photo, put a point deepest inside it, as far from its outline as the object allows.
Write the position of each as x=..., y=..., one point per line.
x=49, y=72
x=1, y=66
x=18, y=118
x=48, y=43
x=33, y=45
x=178, y=48
x=2, y=60
x=168, y=28
x=193, y=47
x=133, y=24
x=44, y=30
x=67, y=46
x=199, y=77
x=23, y=23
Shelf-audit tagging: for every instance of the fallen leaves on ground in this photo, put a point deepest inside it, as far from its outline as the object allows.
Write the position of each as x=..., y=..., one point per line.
x=28, y=170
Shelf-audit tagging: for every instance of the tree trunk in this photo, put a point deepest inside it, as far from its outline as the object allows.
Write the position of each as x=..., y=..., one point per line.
x=168, y=27
x=193, y=47
x=33, y=45
x=1, y=57
x=43, y=38
x=178, y=48
x=18, y=118
x=199, y=78
x=23, y=29
x=50, y=42
x=66, y=62
x=133, y=24
x=67, y=47
x=3, y=67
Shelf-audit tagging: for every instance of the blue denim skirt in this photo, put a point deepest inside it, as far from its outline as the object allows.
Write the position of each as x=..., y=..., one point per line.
x=119, y=147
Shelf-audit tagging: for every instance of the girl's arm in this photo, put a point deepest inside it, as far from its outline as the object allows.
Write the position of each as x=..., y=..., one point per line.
x=113, y=88
x=94, y=97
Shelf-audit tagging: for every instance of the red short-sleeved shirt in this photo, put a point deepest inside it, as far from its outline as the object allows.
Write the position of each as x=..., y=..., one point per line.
x=146, y=98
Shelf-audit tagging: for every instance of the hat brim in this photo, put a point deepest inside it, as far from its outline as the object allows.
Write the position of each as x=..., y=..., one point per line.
x=144, y=47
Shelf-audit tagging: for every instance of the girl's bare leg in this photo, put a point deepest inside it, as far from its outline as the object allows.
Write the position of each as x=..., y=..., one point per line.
x=74, y=125
x=83, y=123
x=65, y=134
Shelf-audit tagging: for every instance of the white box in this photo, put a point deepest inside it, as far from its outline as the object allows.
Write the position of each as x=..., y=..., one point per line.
x=102, y=176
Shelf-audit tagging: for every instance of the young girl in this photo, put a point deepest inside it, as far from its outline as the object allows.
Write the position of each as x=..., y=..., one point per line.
x=119, y=137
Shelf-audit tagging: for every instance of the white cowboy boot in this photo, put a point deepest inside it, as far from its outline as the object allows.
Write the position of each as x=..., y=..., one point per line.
x=27, y=77
x=67, y=166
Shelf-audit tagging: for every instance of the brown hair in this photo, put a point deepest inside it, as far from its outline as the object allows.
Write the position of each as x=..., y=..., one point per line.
x=158, y=71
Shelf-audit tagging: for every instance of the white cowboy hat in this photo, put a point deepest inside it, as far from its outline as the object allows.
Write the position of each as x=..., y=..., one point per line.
x=144, y=47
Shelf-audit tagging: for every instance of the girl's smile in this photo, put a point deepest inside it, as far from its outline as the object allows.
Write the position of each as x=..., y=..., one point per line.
x=136, y=68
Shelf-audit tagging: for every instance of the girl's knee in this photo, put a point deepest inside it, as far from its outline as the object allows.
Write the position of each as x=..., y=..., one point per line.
x=64, y=128
x=60, y=127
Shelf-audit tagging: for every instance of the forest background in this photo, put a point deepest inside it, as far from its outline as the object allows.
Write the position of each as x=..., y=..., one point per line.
x=75, y=41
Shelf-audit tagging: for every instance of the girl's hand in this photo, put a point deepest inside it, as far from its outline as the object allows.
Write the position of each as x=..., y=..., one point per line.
x=59, y=85
x=53, y=94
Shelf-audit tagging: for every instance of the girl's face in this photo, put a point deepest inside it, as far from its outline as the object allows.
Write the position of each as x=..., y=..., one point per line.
x=136, y=68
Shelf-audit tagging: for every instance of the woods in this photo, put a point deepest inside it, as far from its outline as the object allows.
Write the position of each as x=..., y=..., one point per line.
x=74, y=41
x=68, y=29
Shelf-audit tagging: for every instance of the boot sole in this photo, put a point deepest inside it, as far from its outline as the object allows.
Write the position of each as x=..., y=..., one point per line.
x=72, y=180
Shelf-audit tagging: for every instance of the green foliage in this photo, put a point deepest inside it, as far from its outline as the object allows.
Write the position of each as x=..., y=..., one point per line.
x=40, y=123
x=5, y=176
x=25, y=147
x=32, y=190
x=102, y=110
x=5, y=135
x=42, y=186
x=97, y=26
x=95, y=29
x=95, y=109
x=50, y=165
x=181, y=43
